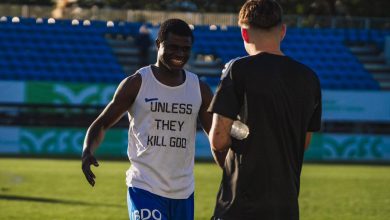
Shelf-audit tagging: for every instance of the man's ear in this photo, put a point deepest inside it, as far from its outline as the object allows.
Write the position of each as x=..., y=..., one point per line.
x=245, y=35
x=283, y=32
x=157, y=44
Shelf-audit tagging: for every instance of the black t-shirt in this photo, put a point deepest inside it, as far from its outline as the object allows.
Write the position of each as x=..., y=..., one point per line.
x=282, y=101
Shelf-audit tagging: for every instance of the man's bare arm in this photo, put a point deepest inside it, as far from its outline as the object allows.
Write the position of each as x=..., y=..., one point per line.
x=220, y=139
x=206, y=120
x=308, y=139
x=121, y=102
x=204, y=116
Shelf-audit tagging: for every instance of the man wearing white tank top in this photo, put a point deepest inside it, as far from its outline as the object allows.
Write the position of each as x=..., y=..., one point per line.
x=163, y=102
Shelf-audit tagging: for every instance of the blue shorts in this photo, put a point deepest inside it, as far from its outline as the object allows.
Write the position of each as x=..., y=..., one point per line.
x=144, y=205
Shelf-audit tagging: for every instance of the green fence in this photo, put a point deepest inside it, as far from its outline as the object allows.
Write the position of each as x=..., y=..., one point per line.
x=59, y=141
x=47, y=141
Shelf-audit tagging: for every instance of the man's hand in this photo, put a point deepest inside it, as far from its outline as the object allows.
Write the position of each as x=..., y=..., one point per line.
x=87, y=160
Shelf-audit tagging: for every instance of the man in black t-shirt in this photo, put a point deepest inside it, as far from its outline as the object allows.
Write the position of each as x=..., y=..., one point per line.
x=279, y=99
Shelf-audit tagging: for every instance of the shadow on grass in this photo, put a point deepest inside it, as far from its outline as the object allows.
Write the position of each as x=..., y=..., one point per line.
x=53, y=201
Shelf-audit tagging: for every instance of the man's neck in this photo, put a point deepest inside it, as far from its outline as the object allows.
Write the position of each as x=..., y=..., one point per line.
x=267, y=48
x=167, y=77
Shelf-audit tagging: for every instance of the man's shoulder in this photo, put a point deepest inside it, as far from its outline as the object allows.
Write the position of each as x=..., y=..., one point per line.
x=191, y=74
x=131, y=83
x=300, y=66
x=233, y=63
x=239, y=61
x=193, y=77
x=304, y=70
x=144, y=70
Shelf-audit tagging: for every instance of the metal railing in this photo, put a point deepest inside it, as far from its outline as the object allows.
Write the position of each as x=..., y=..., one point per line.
x=195, y=18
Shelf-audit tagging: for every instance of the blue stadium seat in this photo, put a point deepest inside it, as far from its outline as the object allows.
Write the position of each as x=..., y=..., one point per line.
x=65, y=52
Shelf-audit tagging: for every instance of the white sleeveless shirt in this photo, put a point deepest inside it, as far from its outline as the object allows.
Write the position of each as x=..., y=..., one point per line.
x=162, y=132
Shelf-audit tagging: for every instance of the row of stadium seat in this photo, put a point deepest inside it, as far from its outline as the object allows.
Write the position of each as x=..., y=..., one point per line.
x=323, y=50
x=73, y=27
x=60, y=51
x=61, y=75
x=41, y=51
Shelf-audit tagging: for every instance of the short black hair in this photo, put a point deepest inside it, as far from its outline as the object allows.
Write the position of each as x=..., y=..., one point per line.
x=174, y=26
x=263, y=14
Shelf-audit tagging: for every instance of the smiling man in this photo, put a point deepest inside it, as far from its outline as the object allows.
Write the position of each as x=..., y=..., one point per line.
x=163, y=102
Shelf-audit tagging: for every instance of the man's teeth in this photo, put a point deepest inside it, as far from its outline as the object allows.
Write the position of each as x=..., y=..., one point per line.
x=175, y=61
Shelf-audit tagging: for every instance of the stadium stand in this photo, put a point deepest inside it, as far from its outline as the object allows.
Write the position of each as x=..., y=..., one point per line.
x=324, y=50
x=99, y=51
x=57, y=52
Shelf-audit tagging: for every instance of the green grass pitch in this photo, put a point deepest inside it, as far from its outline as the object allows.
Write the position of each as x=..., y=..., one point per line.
x=56, y=190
